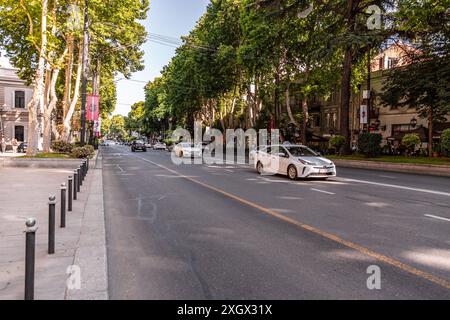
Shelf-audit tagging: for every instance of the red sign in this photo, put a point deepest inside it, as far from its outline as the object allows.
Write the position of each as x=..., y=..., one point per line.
x=92, y=108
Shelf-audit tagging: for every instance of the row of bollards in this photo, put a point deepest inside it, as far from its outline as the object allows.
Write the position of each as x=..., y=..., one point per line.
x=67, y=196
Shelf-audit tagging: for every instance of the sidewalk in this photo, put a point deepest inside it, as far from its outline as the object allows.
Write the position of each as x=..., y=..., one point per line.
x=24, y=193
x=11, y=155
x=421, y=169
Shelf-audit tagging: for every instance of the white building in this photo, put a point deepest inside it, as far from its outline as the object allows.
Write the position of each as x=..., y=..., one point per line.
x=14, y=98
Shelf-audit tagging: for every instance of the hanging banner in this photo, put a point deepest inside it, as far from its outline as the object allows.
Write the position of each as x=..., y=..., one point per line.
x=92, y=109
x=364, y=114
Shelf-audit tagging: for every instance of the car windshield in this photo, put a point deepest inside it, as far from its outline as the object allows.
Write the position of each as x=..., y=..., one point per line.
x=299, y=151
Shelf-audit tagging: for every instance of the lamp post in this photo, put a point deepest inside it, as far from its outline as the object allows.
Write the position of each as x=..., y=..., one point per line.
x=378, y=124
x=85, y=68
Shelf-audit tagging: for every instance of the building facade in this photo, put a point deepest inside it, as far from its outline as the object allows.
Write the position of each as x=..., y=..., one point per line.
x=389, y=121
x=14, y=98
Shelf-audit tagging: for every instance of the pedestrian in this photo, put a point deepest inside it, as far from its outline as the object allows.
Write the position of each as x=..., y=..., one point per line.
x=15, y=145
x=3, y=145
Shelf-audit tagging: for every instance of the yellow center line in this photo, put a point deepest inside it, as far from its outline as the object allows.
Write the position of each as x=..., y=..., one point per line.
x=388, y=260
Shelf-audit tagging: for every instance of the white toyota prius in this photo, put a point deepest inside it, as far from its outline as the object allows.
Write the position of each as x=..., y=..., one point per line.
x=295, y=161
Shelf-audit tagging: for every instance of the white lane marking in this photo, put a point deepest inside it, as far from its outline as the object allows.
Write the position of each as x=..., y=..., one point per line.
x=395, y=186
x=321, y=191
x=437, y=217
x=388, y=177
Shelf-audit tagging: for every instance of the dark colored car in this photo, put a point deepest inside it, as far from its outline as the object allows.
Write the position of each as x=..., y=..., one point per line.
x=138, y=145
x=22, y=147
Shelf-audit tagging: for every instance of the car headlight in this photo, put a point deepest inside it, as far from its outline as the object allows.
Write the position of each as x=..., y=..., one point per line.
x=307, y=162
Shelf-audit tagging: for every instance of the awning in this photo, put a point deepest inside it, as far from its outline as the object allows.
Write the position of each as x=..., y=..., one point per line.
x=422, y=132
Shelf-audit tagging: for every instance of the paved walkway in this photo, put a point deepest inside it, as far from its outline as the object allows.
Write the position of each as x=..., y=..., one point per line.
x=10, y=154
x=24, y=193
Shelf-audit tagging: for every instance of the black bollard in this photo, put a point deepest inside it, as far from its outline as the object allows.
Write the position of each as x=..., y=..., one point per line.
x=51, y=224
x=70, y=193
x=63, y=205
x=30, y=248
x=80, y=182
x=84, y=170
x=75, y=184
x=87, y=164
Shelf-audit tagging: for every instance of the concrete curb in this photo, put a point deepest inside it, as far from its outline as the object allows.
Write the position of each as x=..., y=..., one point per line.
x=38, y=163
x=433, y=170
x=91, y=255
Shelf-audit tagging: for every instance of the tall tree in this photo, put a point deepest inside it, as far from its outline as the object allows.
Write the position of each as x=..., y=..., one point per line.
x=425, y=82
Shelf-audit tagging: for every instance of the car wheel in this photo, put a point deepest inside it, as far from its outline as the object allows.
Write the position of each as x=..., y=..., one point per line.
x=260, y=167
x=145, y=150
x=292, y=173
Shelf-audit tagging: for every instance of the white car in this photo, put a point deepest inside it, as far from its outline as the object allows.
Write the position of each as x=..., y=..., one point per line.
x=187, y=150
x=295, y=161
x=252, y=154
x=159, y=146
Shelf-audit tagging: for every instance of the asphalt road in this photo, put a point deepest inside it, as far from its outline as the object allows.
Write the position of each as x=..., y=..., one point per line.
x=224, y=232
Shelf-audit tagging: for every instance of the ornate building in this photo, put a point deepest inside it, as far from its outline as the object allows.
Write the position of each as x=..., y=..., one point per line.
x=14, y=97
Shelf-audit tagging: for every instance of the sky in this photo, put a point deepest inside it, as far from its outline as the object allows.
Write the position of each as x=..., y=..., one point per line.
x=173, y=18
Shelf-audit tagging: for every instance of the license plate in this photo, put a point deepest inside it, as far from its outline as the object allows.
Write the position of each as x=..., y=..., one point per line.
x=323, y=171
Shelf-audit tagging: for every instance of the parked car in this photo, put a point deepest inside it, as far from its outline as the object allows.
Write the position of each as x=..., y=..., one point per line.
x=105, y=143
x=23, y=147
x=138, y=145
x=187, y=150
x=159, y=146
x=295, y=161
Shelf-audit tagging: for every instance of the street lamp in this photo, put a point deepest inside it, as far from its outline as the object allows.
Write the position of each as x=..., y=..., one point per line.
x=85, y=68
x=413, y=122
x=377, y=124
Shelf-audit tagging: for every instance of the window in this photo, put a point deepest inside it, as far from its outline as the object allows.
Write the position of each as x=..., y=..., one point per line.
x=392, y=63
x=315, y=120
x=277, y=150
x=299, y=151
x=331, y=120
x=19, y=133
x=397, y=128
x=19, y=99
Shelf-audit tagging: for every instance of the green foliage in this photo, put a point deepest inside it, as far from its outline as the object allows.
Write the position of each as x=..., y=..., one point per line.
x=83, y=152
x=445, y=142
x=117, y=128
x=136, y=120
x=116, y=35
x=62, y=146
x=425, y=82
x=411, y=141
x=369, y=144
x=336, y=142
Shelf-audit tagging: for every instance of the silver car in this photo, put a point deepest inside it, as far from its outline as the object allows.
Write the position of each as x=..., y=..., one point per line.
x=295, y=161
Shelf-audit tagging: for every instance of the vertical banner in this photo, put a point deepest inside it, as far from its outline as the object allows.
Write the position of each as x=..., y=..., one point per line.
x=364, y=114
x=92, y=108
